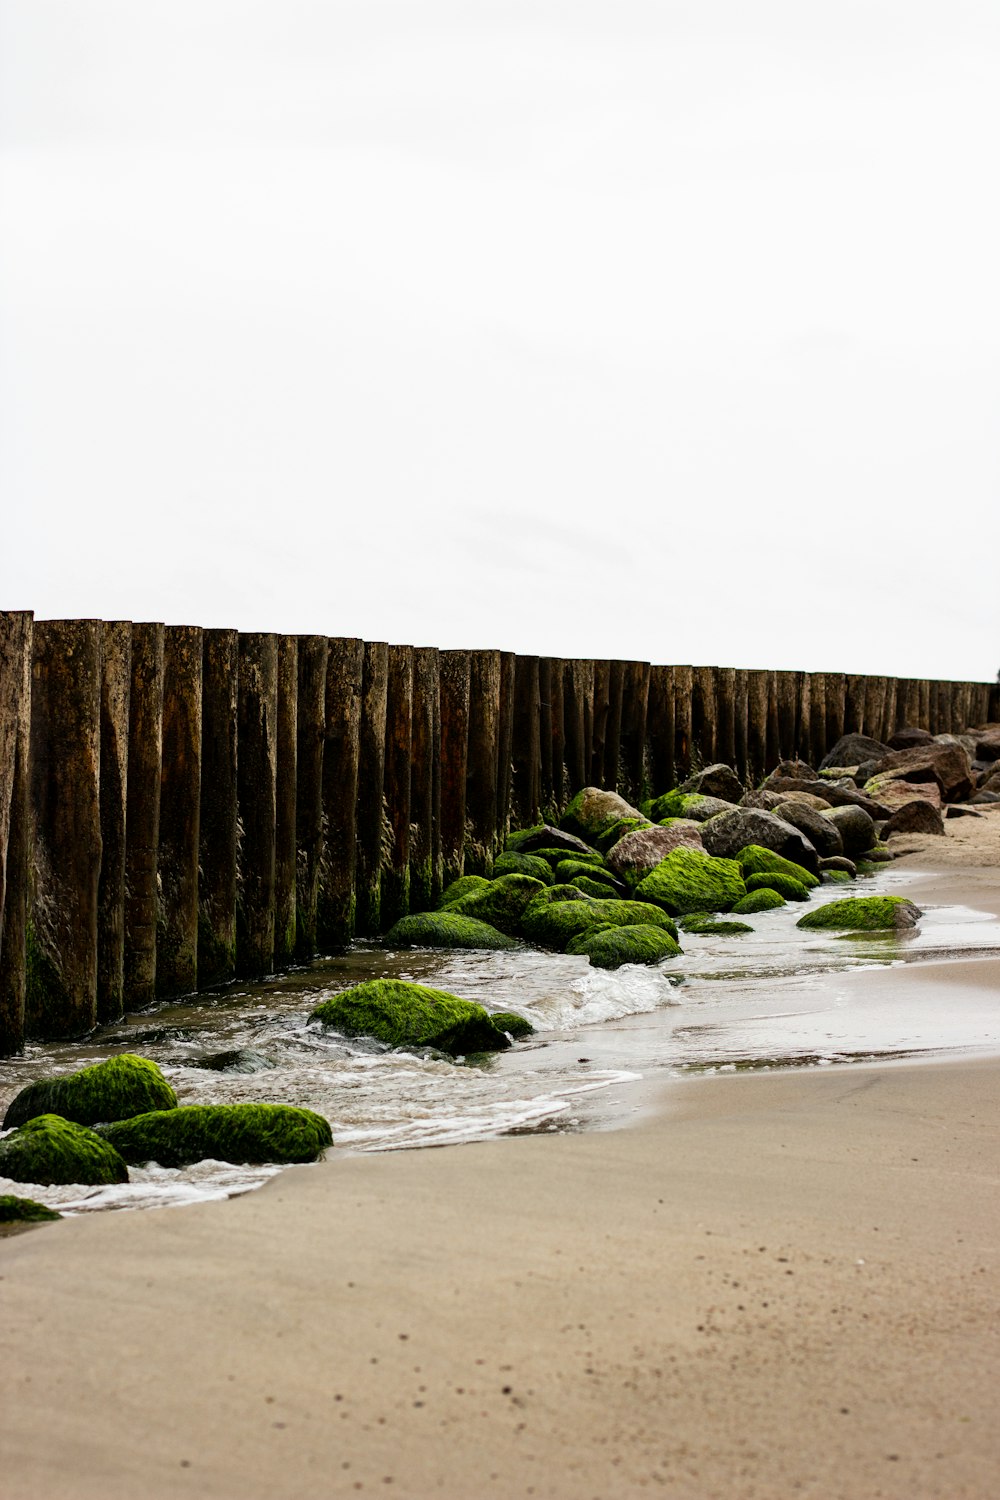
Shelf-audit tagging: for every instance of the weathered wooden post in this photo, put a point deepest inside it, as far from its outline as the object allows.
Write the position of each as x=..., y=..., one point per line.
x=505, y=747
x=818, y=743
x=116, y=678
x=757, y=724
x=257, y=763
x=372, y=822
x=557, y=730
x=660, y=729
x=635, y=707
x=15, y=727
x=454, y=761
x=546, y=778
x=925, y=703
x=61, y=998
x=286, y=798
x=218, y=822
x=773, y=745
x=336, y=901
x=310, y=736
x=613, y=734
x=683, y=699
x=142, y=814
x=874, y=704
x=725, y=700
x=703, y=716
x=577, y=717
x=740, y=708
x=395, y=879
x=912, y=719
x=891, y=689
x=425, y=741
x=599, y=732
x=527, y=785
x=180, y=813
x=786, y=691
x=854, y=704
x=836, y=690
x=481, y=768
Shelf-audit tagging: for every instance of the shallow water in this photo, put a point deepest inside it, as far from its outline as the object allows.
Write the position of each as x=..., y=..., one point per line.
x=773, y=997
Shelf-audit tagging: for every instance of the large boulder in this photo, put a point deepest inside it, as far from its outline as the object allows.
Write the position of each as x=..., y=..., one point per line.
x=862, y=914
x=692, y=805
x=510, y=863
x=755, y=860
x=835, y=794
x=544, y=836
x=855, y=826
x=762, y=798
x=853, y=750
x=501, y=903
x=690, y=880
x=714, y=781
x=113, y=1090
x=402, y=1014
x=48, y=1149
x=553, y=924
x=805, y=799
x=908, y=736
x=947, y=764
x=254, y=1133
x=634, y=856
x=914, y=817
x=593, y=812
x=462, y=887
x=820, y=832
x=610, y=947
x=446, y=929
x=894, y=793
x=988, y=743
x=730, y=832
x=569, y=871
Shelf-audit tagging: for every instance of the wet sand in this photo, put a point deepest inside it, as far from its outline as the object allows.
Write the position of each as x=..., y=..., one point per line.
x=772, y=1285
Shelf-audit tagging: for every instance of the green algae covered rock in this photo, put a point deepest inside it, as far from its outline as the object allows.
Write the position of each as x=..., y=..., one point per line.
x=607, y=840
x=445, y=929
x=556, y=856
x=761, y=898
x=523, y=864
x=690, y=880
x=594, y=812
x=254, y=1133
x=113, y=1090
x=402, y=1014
x=862, y=914
x=610, y=947
x=500, y=902
x=24, y=1210
x=554, y=924
x=564, y=893
x=787, y=886
x=463, y=886
x=567, y=870
x=599, y=889
x=707, y=923
x=514, y=1025
x=48, y=1149
x=836, y=877
x=754, y=860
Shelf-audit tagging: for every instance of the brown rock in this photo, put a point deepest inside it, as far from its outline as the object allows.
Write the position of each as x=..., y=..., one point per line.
x=906, y=738
x=947, y=764
x=634, y=856
x=917, y=816
x=988, y=744
x=894, y=793
x=836, y=796
x=807, y=799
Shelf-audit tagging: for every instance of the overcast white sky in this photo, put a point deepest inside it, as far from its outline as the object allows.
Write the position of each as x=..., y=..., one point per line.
x=664, y=330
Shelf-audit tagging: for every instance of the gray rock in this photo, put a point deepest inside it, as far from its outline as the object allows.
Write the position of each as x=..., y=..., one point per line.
x=725, y=835
x=948, y=764
x=852, y=749
x=821, y=833
x=914, y=817
x=638, y=853
x=838, y=862
x=715, y=781
x=836, y=794
x=906, y=738
x=709, y=807
x=762, y=798
x=855, y=826
x=546, y=837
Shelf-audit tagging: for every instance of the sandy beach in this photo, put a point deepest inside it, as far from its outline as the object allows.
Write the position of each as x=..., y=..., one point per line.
x=771, y=1285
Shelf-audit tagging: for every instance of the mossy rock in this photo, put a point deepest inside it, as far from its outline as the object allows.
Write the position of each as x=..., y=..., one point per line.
x=114, y=1090
x=600, y=890
x=610, y=947
x=510, y=863
x=614, y=835
x=15, y=1210
x=707, y=923
x=554, y=924
x=836, y=877
x=519, y=836
x=669, y=805
x=594, y=812
x=48, y=1149
x=862, y=914
x=879, y=854
x=463, y=886
x=788, y=886
x=567, y=870
x=755, y=860
x=445, y=929
x=690, y=880
x=514, y=1025
x=501, y=902
x=559, y=893
x=252, y=1133
x=556, y=856
x=402, y=1014
x=761, y=898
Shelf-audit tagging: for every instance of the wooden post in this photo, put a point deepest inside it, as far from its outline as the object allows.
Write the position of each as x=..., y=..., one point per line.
x=218, y=823
x=372, y=822
x=803, y=716
x=547, y=798
x=481, y=769
x=925, y=703
x=575, y=717
x=741, y=703
x=757, y=724
x=425, y=740
x=116, y=677
x=683, y=699
x=836, y=710
x=703, y=717
x=874, y=704
x=286, y=798
x=912, y=717
x=854, y=704
x=786, y=689
x=180, y=814
x=891, y=688
x=61, y=998
x=773, y=738
x=505, y=747
x=660, y=729
x=394, y=899
x=613, y=735
x=818, y=743
x=257, y=758
x=725, y=701
x=635, y=707
x=142, y=814
x=15, y=727
x=310, y=735
x=557, y=729
x=336, y=901
x=454, y=761
x=527, y=785
x=602, y=705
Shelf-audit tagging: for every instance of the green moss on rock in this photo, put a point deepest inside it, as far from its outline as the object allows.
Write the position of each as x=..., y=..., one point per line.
x=501, y=903
x=761, y=898
x=862, y=914
x=784, y=885
x=523, y=864
x=755, y=860
x=610, y=947
x=567, y=870
x=690, y=880
x=600, y=890
x=113, y=1090
x=554, y=924
x=402, y=1014
x=514, y=1025
x=48, y=1149
x=15, y=1210
x=708, y=923
x=445, y=929
x=613, y=835
x=836, y=877
x=463, y=886
x=254, y=1133
x=556, y=856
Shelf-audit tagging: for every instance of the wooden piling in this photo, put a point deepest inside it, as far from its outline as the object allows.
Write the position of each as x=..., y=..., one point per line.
x=660, y=730
x=599, y=730
x=425, y=742
x=286, y=800
x=180, y=812
x=394, y=896
x=454, y=761
x=257, y=763
x=703, y=716
x=683, y=699
x=373, y=827
x=15, y=727
x=836, y=691
x=310, y=733
x=874, y=704
x=65, y=749
x=725, y=734
x=527, y=786
x=891, y=687
x=218, y=822
x=577, y=718
x=613, y=774
x=482, y=765
x=740, y=702
x=773, y=744
x=546, y=779
x=142, y=813
x=854, y=703
x=757, y=725
x=818, y=742
x=336, y=900
x=786, y=691
x=635, y=707
x=505, y=747
x=557, y=731
x=116, y=679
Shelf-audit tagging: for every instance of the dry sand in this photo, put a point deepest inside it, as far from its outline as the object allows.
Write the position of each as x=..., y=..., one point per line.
x=774, y=1285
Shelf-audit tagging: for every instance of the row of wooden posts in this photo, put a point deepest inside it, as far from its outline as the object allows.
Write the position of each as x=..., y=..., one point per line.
x=181, y=807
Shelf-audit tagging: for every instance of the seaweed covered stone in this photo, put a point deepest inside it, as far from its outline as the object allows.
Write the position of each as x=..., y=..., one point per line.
x=113, y=1090
x=510, y=863
x=778, y=884
x=613, y=836
x=862, y=914
x=610, y=947
x=446, y=929
x=544, y=836
x=238, y=1133
x=463, y=886
x=500, y=902
x=763, y=898
x=707, y=923
x=586, y=857
x=14, y=1210
x=567, y=870
x=599, y=889
x=402, y=1014
x=48, y=1149
x=755, y=860
x=510, y=1022
x=594, y=812
x=554, y=924
x=690, y=880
